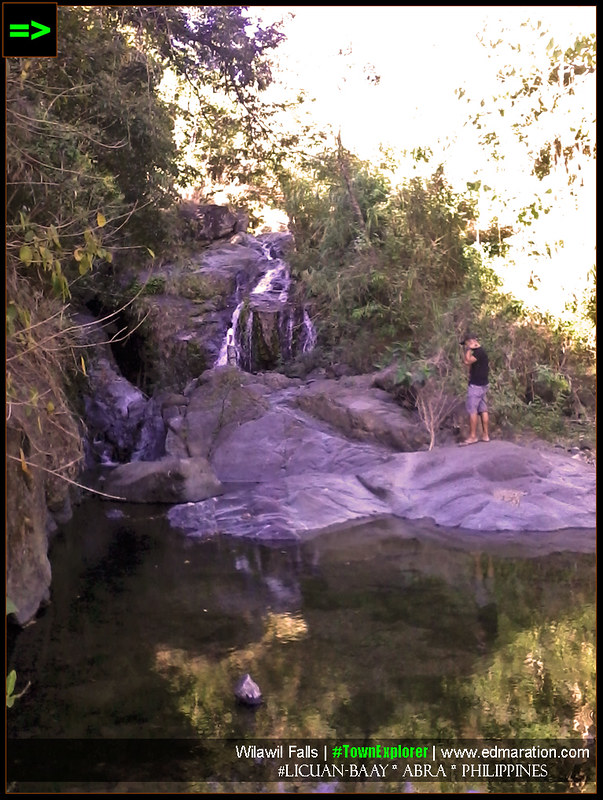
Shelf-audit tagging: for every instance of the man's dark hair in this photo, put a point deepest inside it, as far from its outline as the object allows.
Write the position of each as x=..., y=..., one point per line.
x=469, y=336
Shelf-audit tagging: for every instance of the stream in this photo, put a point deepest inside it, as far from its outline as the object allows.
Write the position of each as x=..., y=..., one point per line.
x=386, y=630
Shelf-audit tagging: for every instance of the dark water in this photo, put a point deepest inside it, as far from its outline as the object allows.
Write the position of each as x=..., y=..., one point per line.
x=383, y=631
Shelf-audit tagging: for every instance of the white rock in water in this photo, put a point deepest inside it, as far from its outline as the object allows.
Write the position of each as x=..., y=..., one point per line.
x=247, y=691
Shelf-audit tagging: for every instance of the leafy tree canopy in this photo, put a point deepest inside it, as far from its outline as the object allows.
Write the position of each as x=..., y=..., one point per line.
x=538, y=134
x=89, y=134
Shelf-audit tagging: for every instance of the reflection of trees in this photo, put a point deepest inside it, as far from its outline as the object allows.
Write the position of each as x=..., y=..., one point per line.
x=404, y=647
x=539, y=684
x=362, y=634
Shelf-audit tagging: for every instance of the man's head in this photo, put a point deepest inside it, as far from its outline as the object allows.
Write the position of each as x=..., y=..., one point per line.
x=470, y=340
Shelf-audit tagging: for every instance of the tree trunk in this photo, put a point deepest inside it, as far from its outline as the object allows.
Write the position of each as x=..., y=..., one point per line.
x=341, y=158
x=346, y=176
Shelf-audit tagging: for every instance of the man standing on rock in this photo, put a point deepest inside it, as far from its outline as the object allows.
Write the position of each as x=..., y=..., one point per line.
x=476, y=359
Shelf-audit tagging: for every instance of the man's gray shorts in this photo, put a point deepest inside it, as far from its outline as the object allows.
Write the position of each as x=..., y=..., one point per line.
x=476, y=399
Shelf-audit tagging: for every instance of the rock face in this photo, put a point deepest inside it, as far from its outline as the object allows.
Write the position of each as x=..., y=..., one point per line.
x=339, y=460
x=362, y=411
x=209, y=221
x=43, y=453
x=488, y=486
x=271, y=333
x=248, y=692
x=114, y=413
x=28, y=570
x=122, y=423
x=184, y=325
x=171, y=480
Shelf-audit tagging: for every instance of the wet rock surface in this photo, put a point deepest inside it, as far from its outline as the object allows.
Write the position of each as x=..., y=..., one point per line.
x=270, y=457
x=287, y=472
x=170, y=480
x=248, y=692
x=488, y=486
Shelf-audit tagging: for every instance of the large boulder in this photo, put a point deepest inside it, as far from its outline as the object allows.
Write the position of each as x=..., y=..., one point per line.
x=170, y=480
x=248, y=427
x=281, y=509
x=218, y=222
x=114, y=409
x=221, y=399
x=494, y=487
x=361, y=411
x=488, y=486
x=239, y=261
x=210, y=221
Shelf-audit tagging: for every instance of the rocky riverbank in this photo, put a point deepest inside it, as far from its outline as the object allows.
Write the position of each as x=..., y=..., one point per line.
x=304, y=455
x=271, y=457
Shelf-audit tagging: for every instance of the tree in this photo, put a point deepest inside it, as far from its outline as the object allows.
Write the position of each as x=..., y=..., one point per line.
x=219, y=63
x=434, y=404
x=91, y=166
x=376, y=257
x=91, y=129
x=538, y=132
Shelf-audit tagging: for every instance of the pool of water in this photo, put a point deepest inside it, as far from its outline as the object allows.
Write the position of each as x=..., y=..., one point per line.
x=385, y=631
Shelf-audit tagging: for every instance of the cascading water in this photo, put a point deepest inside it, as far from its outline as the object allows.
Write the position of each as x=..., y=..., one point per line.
x=310, y=337
x=270, y=296
x=223, y=355
x=276, y=280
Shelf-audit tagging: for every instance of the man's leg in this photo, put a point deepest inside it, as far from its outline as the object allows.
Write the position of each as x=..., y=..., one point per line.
x=472, y=438
x=471, y=406
x=485, y=436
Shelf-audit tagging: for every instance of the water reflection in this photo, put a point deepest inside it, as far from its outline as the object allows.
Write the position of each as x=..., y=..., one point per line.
x=382, y=630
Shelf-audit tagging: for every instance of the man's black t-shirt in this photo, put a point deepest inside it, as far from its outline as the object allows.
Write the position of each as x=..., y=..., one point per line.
x=479, y=370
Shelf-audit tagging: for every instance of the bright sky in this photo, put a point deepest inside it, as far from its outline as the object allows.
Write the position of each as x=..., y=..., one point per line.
x=421, y=53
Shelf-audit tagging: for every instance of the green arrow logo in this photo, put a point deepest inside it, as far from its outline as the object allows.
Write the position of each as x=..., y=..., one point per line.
x=23, y=31
x=42, y=30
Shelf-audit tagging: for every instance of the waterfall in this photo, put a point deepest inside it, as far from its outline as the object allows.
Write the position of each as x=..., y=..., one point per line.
x=222, y=359
x=249, y=338
x=276, y=279
x=273, y=288
x=309, y=333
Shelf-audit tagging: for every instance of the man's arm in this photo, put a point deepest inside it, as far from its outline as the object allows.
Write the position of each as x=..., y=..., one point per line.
x=468, y=357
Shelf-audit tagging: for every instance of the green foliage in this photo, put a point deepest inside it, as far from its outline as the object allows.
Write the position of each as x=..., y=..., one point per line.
x=545, y=82
x=538, y=677
x=93, y=131
x=155, y=285
x=538, y=136
x=91, y=171
x=220, y=63
x=196, y=287
x=539, y=365
x=407, y=294
x=87, y=131
x=91, y=161
x=11, y=678
x=374, y=257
